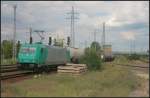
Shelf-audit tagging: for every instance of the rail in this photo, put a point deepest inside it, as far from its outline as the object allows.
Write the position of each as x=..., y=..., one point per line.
x=133, y=66
x=12, y=71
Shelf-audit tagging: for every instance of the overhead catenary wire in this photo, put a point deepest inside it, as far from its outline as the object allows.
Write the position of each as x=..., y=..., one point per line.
x=75, y=5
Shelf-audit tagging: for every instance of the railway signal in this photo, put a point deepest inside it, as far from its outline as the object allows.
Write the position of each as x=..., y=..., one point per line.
x=30, y=36
x=50, y=41
x=18, y=47
x=68, y=41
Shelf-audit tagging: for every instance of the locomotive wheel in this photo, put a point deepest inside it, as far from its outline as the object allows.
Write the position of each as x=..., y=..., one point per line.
x=35, y=69
x=20, y=67
x=47, y=69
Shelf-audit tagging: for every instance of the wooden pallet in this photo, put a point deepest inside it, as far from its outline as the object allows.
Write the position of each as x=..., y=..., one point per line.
x=72, y=68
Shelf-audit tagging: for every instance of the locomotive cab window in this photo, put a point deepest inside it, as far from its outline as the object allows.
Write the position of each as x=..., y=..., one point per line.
x=27, y=50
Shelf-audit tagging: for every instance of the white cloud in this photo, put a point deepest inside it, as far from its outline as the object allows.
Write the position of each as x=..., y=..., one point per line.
x=50, y=16
x=128, y=35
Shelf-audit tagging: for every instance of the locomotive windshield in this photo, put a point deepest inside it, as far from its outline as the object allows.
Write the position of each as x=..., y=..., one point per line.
x=28, y=50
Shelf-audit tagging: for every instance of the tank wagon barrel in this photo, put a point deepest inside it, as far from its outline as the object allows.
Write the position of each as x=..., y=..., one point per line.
x=75, y=54
x=107, y=53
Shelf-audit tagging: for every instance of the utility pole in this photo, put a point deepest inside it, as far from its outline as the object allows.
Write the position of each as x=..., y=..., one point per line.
x=85, y=43
x=134, y=46
x=131, y=47
x=72, y=33
x=94, y=35
x=103, y=35
x=14, y=34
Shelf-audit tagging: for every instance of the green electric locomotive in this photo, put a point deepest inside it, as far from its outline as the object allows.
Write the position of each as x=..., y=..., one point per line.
x=37, y=55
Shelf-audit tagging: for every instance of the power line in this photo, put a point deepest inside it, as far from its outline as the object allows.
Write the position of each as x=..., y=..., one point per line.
x=95, y=32
x=78, y=5
x=40, y=33
x=72, y=33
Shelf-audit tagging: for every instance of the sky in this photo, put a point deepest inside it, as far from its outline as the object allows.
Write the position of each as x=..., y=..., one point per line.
x=127, y=22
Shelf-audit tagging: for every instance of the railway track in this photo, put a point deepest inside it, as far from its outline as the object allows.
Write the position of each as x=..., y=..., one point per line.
x=133, y=66
x=12, y=71
x=136, y=68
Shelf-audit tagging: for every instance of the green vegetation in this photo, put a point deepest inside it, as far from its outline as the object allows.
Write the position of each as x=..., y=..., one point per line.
x=127, y=59
x=92, y=57
x=8, y=61
x=111, y=81
x=6, y=48
x=134, y=57
x=121, y=59
x=6, y=51
x=144, y=58
x=96, y=45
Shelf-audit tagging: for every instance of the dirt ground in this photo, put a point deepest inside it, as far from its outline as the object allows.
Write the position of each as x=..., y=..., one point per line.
x=143, y=89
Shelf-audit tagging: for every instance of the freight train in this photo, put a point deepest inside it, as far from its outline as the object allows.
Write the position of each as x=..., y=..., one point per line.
x=38, y=55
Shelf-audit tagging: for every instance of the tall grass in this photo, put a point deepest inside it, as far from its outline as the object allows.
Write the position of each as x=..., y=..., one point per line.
x=112, y=81
x=8, y=61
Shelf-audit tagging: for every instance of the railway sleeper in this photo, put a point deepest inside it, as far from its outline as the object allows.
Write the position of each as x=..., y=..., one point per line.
x=3, y=77
x=9, y=70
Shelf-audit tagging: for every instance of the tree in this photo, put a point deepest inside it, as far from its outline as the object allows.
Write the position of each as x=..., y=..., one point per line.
x=7, y=47
x=92, y=57
x=96, y=45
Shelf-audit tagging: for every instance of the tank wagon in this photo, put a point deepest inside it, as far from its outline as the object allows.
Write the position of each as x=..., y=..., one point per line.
x=38, y=55
x=75, y=54
x=107, y=53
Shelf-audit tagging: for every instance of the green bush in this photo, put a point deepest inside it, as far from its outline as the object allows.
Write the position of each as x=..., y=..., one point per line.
x=8, y=61
x=134, y=57
x=92, y=59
